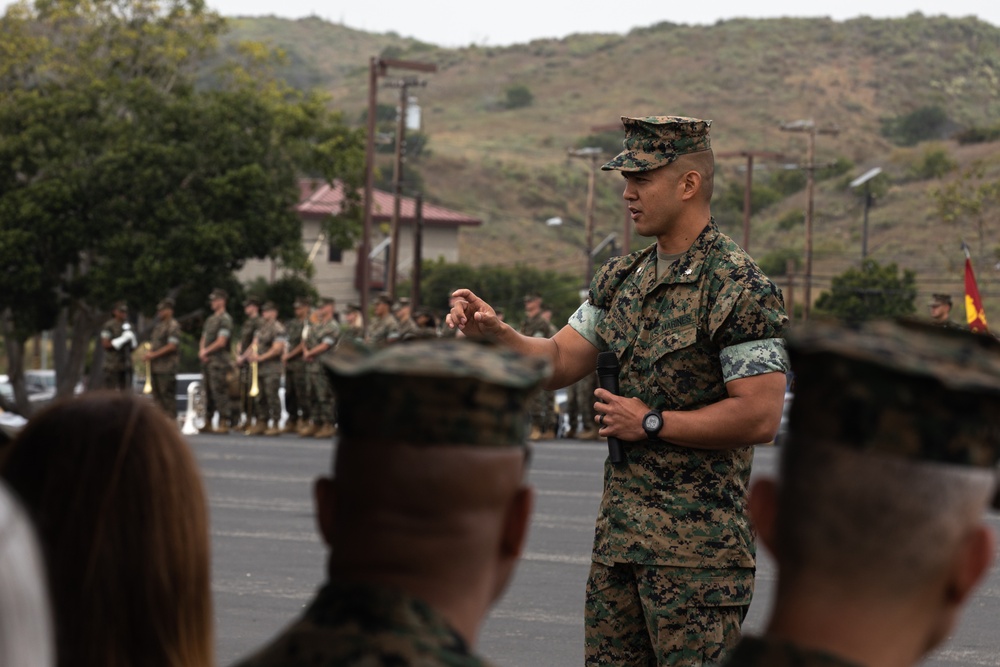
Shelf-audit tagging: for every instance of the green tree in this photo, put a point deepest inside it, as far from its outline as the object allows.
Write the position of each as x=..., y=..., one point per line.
x=121, y=178
x=869, y=292
x=518, y=96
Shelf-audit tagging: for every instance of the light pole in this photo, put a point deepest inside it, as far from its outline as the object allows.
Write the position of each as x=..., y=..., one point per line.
x=747, y=201
x=809, y=127
x=864, y=179
x=377, y=67
x=593, y=154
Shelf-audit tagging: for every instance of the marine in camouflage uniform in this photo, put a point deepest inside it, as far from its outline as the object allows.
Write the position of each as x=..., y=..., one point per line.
x=580, y=408
x=352, y=329
x=696, y=329
x=249, y=407
x=436, y=423
x=384, y=328
x=296, y=388
x=270, y=342
x=216, y=359
x=118, y=342
x=407, y=326
x=320, y=345
x=164, y=357
x=889, y=467
x=542, y=410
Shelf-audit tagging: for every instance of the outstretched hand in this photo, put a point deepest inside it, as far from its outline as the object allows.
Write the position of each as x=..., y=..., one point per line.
x=472, y=316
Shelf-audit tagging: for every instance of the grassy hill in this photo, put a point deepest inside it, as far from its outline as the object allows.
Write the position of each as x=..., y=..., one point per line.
x=509, y=166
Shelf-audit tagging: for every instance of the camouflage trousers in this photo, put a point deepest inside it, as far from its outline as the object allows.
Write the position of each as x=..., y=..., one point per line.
x=321, y=406
x=655, y=615
x=296, y=392
x=580, y=403
x=165, y=392
x=216, y=392
x=542, y=410
x=269, y=399
x=118, y=380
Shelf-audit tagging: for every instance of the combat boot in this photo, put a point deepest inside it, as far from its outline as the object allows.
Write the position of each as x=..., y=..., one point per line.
x=273, y=430
x=258, y=428
x=308, y=429
x=222, y=428
x=547, y=434
x=587, y=434
x=291, y=426
x=536, y=433
x=324, y=431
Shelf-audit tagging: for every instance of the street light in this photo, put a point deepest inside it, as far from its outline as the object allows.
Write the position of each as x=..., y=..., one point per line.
x=593, y=154
x=864, y=179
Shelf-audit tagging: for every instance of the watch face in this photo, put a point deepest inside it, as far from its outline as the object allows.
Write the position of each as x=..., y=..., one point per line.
x=652, y=423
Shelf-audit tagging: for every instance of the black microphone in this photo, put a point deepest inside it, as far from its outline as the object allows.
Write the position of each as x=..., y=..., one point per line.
x=607, y=378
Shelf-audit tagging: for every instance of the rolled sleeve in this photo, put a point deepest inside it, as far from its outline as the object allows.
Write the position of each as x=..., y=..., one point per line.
x=585, y=320
x=755, y=357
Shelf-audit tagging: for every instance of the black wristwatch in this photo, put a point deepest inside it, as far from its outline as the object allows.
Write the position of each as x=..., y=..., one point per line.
x=652, y=422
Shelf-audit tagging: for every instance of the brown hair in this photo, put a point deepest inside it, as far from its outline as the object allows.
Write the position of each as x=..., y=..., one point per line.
x=121, y=514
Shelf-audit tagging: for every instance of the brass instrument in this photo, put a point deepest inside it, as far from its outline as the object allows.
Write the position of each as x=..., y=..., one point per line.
x=254, y=389
x=148, y=388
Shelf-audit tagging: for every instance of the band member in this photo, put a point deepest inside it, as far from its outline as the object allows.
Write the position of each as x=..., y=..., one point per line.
x=118, y=341
x=163, y=357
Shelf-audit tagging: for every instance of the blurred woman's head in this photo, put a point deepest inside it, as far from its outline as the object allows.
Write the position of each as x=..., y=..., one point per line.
x=121, y=514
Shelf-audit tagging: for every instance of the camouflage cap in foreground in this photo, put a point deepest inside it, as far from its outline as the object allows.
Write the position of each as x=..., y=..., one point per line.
x=217, y=293
x=165, y=303
x=903, y=388
x=655, y=141
x=940, y=300
x=435, y=392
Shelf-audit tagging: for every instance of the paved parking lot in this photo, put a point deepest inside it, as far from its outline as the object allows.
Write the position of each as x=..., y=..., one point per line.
x=268, y=558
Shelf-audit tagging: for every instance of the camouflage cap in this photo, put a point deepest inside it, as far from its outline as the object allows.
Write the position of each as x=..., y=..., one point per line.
x=301, y=301
x=655, y=141
x=251, y=301
x=903, y=388
x=327, y=301
x=435, y=392
x=120, y=306
x=165, y=304
x=940, y=299
x=400, y=304
x=353, y=308
x=269, y=305
x=384, y=298
x=532, y=296
x=217, y=293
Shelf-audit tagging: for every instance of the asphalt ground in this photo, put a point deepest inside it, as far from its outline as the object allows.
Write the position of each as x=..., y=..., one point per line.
x=268, y=559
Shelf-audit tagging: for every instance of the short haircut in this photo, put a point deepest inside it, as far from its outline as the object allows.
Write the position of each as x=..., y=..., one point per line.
x=878, y=521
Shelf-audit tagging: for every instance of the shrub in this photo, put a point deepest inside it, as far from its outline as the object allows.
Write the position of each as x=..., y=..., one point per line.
x=519, y=96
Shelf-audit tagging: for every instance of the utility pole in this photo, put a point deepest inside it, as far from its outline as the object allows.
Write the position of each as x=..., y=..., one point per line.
x=627, y=225
x=593, y=154
x=376, y=67
x=809, y=127
x=747, y=202
x=404, y=86
x=865, y=180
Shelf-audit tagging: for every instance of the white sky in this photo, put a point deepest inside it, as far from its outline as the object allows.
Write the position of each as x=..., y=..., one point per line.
x=455, y=23
x=501, y=23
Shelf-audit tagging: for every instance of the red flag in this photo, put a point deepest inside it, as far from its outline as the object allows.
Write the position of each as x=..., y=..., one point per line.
x=974, y=312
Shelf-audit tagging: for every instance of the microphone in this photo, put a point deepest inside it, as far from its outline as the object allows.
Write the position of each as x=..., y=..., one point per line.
x=607, y=378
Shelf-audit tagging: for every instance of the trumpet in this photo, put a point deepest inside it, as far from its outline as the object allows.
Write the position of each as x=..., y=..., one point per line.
x=148, y=388
x=254, y=389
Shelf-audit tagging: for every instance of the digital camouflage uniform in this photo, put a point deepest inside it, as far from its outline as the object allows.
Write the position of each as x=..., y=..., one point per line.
x=220, y=364
x=357, y=624
x=269, y=371
x=296, y=388
x=408, y=329
x=761, y=652
x=164, y=369
x=249, y=405
x=542, y=410
x=321, y=404
x=383, y=330
x=117, y=363
x=677, y=514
